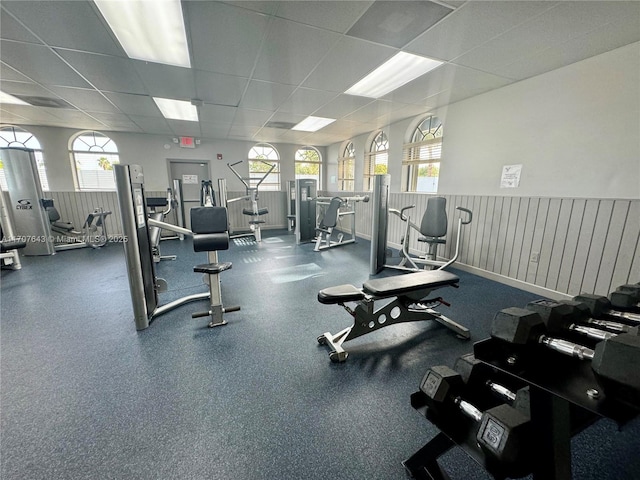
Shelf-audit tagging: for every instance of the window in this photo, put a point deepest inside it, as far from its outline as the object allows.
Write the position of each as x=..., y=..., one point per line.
x=377, y=160
x=17, y=137
x=308, y=164
x=93, y=155
x=260, y=153
x=346, y=169
x=421, y=157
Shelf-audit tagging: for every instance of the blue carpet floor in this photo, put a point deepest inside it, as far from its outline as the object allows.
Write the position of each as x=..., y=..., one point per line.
x=84, y=395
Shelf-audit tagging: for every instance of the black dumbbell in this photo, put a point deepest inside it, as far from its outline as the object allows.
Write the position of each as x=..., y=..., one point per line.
x=583, y=315
x=560, y=317
x=475, y=376
x=601, y=306
x=626, y=297
x=615, y=359
x=503, y=431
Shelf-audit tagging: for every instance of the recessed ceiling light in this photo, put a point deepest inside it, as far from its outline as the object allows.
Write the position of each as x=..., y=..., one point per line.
x=395, y=72
x=313, y=124
x=150, y=31
x=10, y=99
x=177, y=109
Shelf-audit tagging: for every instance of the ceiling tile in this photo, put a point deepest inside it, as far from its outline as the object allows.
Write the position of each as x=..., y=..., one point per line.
x=10, y=28
x=332, y=15
x=134, y=104
x=214, y=130
x=243, y=131
x=396, y=23
x=347, y=63
x=25, y=88
x=265, y=95
x=224, y=39
x=75, y=117
x=154, y=125
x=305, y=101
x=183, y=128
x=291, y=51
x=342, y=105
x=219, y=89
x=371, y=111
x=217, y=113
x=85, y=99
x=113, y=74
x=261, y=6
x=8, y=73
x=473, y=24
x=600, y=40
x=33, y=114
x=166, y=81
x=464, y=81
x=116, y=121
x=40, y=64
x=250, y=117
x=68, y=24
x=8, y=117
x=555, y=26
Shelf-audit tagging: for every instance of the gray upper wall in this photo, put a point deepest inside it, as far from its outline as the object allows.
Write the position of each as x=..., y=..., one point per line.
x=575, y=130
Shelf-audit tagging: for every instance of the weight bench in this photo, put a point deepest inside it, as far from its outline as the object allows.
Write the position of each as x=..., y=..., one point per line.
x=410, y=305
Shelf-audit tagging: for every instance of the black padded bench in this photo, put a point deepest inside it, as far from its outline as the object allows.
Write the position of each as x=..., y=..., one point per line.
x=411, y=304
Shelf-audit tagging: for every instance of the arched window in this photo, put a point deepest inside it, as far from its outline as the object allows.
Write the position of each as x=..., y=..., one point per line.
x=376, y=160
x=17, y=137
x=93, y=156
x=346, y=168
x=421, y=157
x=308, y=164
x=260, y=153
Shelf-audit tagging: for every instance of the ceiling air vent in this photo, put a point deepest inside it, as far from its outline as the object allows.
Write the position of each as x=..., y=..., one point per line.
x=44, y=101
x=281, y=125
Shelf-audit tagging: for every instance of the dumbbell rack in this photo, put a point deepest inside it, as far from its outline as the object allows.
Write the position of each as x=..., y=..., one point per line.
x=563, y=402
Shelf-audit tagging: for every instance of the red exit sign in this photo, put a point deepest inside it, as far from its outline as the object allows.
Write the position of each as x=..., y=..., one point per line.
x=187, y=142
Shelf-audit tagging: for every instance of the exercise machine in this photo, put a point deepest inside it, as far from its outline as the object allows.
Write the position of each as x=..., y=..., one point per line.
x=306, y=192
x=251, y=194
x=167, y=204
x=30, y=217
x=94, y=232
x=336, y=209
x=209, y=229
x=432, y=230
x=404, y=298
x=9, y=245
x=291, y=205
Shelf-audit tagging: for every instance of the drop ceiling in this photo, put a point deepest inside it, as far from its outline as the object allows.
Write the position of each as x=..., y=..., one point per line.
x=260, y=66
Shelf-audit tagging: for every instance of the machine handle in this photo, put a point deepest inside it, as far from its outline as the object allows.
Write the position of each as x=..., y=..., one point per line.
x=402, y=216
x=466, y=210
x=200, y=314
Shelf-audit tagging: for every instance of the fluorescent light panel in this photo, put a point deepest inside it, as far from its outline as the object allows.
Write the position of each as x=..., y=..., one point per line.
x=177, y=109
x=149, y=30
x=10, y=99
x=313, y=124
x=395, y=72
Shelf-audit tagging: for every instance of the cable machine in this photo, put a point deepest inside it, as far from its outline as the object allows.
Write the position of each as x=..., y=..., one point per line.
x=251, y=195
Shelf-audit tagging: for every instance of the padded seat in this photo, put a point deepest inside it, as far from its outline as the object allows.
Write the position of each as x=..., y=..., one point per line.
x=340, y=294
x=212, y=268
x=404, y=284
x=7, y=245
x=262, y=211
